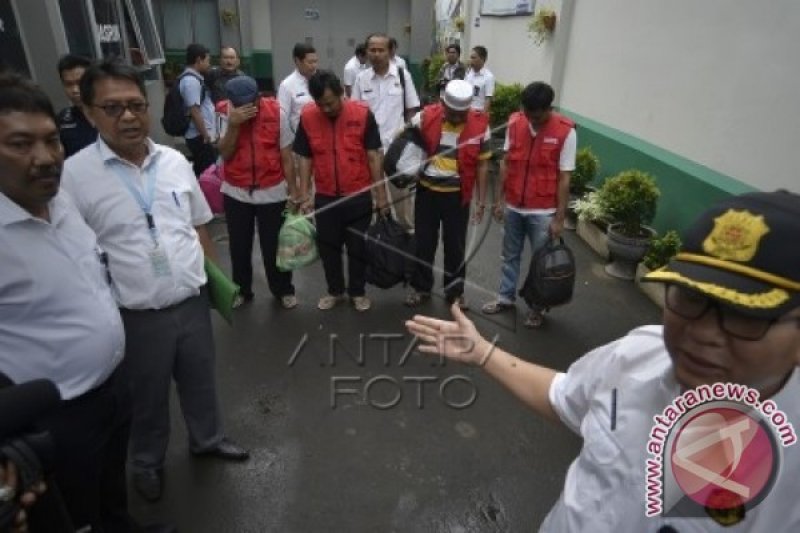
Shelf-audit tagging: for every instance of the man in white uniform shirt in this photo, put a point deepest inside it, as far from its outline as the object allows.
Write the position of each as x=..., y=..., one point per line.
x=293, y=90
x=732, y=316
x=353, y=67
x=58, y=319
x=393, y=57
x=149, y=214
x=393, y=102
x=481, y=78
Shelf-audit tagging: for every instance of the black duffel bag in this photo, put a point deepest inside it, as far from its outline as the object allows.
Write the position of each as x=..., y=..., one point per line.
x=389, y=252
x=551, y=276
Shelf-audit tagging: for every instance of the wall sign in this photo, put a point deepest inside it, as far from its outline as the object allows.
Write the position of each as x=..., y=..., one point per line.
x=311, y=14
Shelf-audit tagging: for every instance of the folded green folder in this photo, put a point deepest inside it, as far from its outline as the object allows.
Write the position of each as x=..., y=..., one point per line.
x=221, y=291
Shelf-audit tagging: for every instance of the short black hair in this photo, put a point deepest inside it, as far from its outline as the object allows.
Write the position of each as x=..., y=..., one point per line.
x=482, y=52
x=301, y=50
x=18, y=93
x=324, y=79
x=392, y=43
x=361, y=49
x=106, y=69
x=454, y=46
x=71, y=61
x=194, y=52
x=537, y=96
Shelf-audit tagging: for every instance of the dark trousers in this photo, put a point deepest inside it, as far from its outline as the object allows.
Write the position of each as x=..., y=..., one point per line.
x=241, y=219
x=203, y=154
x=90, y=434
x=178, y=343
x=343, y=222
x=445, y=209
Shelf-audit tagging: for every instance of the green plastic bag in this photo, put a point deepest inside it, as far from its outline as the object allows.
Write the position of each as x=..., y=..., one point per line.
x=297, y=244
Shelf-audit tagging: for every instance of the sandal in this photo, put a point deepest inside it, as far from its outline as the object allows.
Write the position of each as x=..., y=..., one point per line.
x=415, y=299
x=534, y=320
x=492, y=308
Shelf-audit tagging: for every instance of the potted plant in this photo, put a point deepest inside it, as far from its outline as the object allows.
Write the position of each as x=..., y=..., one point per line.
x=592, y=221
x=587, y=165
x=434, y=64
x=228, y=16
x=630, y=199
x=459, y=23
x=661, y=250
x=506, y=100
x=542, y=25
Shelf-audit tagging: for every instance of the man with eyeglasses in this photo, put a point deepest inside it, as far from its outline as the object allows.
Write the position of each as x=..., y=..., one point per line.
x=732, y=316
x=145, y=205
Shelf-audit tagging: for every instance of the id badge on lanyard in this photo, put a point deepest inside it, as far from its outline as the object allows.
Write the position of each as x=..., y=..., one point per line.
x=159, y=261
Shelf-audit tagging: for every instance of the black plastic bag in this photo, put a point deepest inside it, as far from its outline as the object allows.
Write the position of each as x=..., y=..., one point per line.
x=390, y=252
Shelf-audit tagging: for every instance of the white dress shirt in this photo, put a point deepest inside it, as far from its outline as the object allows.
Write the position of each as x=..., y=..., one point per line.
x=483, y=85
x=94, y=178
x=293, y=95
x=58, y=320
x=604, y=490
x=384, y=95
x=351, y=70
x=400, y=62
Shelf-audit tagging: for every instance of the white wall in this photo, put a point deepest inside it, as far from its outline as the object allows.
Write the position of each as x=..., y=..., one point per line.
x=513, y=56
x=261, y=24
x=715, y=81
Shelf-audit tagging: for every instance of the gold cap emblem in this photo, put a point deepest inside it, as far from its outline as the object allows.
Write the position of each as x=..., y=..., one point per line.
x=736, y=236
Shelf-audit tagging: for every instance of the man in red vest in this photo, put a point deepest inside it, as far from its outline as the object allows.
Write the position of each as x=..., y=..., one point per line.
x=339, y=142
x=455, y=138
x=259, y=176
x=540, y=157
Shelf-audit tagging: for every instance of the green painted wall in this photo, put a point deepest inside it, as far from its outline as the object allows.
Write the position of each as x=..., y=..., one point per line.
x=687, y=188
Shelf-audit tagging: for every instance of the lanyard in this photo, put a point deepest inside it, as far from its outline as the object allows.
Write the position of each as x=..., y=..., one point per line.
x=145, y=201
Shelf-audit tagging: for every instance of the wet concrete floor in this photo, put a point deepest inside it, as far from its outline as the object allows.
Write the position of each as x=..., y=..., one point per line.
x=351, y=433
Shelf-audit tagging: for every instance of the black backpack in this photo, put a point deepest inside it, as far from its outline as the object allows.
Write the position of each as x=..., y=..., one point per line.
x=175, y=118
x=551, y=276
x=389, y=251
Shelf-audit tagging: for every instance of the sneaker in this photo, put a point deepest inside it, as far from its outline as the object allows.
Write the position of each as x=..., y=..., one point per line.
x=289, y=301
x=361, y=303
x=329, y=301
x=497, y=306
x=415, y=299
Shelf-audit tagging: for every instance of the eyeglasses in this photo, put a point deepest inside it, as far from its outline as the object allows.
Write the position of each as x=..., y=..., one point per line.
x=692, y=305
x=137, y=107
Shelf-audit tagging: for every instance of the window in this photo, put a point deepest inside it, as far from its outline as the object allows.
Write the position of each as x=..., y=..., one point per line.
x=189, y=21
x=112, y=28
x=13, y=53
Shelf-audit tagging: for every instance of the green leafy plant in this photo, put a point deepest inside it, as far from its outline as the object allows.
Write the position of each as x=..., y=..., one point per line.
x=435, y=63
x=590, y=208
x=587, y=165
x=506, y=100
x=229, y=17
x=630, y=198
x=541, y=25
x=459, y=23
x=662, y=249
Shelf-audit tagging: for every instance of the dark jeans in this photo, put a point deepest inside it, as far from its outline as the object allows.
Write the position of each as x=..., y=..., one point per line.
x=343, y=221
x=241, y=219
x=434, y=209
x=203, y=154
x=90, y=434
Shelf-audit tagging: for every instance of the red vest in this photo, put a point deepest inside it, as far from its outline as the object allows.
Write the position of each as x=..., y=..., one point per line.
x=532, y=162
x=256, y=163
x=469, y=143
x=339, y=158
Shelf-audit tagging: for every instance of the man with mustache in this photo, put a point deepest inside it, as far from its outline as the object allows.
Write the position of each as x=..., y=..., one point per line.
x=732, y=315
x=149, y=214
x=58, y=319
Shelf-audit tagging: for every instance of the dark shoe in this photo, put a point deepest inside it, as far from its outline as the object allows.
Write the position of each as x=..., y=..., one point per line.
x=148, y=483
x=227, y=450
x=534, y=320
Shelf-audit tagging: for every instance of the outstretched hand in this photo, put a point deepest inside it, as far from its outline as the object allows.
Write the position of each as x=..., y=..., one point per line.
x=455, y=339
